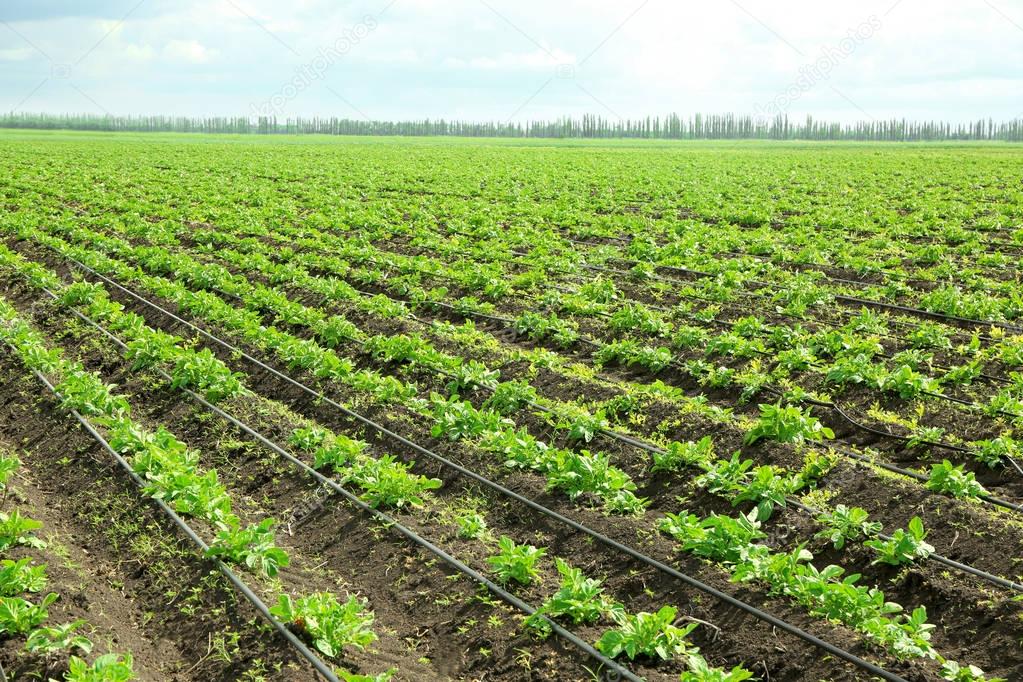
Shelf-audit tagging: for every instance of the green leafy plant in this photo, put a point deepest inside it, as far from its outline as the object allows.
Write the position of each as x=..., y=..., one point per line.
x=88, y=394
x=717, y=537
x=331, y=626
x=330, y=451
x=471, y=524
x=904, y=547
x=106, y=668
x=581, y=473
x=726, y=476
x=929, y=335
x=385, y=676
x=8, y=465
x=21, y=576
x=633, y=317
x=954, y=480
x=516, y=562
x=767, y=488
x=953, y=672
x=388, y=482
x=925, y=436
x=846, y=524
x=510, y=396
x=64, y=637
x=579, y=598
x=787, y=425
x=539, y=328
x=584, y=426
x=16, y=529
x=679, y=455
x=151, y=347
x=252, y=546
x=472, y=375
x=20, y=616
x=855, y=369
x=652, y=635
x=205, y=373
x=993, y=452
x=701, y=671
x=908, y=383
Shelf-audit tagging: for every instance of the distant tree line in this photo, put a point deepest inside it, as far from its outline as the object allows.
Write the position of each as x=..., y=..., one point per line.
x=673, y=127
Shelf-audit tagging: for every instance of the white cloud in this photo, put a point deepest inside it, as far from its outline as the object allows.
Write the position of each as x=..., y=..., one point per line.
x=138, y=53
x=191, y=51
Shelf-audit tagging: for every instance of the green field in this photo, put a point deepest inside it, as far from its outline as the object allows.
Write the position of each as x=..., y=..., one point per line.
x=718, y=411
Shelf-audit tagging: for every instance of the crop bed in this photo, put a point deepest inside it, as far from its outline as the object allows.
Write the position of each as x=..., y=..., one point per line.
x=292, y=409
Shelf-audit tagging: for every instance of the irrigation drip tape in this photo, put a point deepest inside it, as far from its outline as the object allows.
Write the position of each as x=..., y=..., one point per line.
x=951, y=563
x=906, y=472
x=599, y=537
x=250, y=596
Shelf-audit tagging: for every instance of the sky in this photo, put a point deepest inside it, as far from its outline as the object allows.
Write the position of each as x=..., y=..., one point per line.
x=514, y=60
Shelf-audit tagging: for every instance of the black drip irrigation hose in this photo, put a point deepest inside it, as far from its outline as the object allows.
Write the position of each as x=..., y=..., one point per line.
x=603, y=539
x=388, y=520
x=906, y=472
x=998, y=502
x=250, y=596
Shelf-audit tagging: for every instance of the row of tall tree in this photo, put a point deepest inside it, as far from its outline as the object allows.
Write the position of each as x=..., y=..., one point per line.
x=673, y=126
